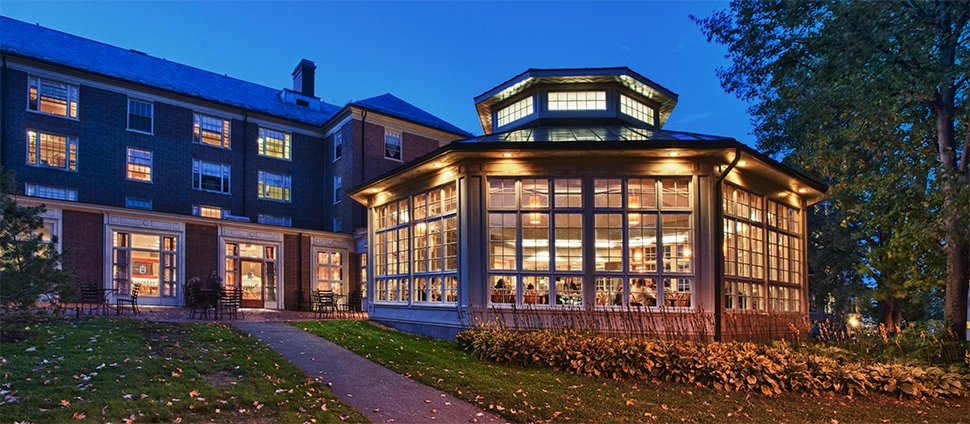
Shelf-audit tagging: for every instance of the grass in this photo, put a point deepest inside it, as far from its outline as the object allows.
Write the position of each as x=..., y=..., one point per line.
x=121, y=371
x=543, y=395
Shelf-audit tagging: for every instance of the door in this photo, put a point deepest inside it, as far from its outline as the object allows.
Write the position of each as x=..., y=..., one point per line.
x=251, y=280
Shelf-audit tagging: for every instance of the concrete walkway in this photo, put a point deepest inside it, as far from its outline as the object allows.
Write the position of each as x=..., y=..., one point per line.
x=377, y=392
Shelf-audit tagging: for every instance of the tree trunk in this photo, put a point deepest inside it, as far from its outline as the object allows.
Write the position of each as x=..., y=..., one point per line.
x=891, y=314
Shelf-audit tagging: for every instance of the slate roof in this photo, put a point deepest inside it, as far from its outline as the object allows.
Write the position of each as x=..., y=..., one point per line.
x=389, y=104
x=64, y=49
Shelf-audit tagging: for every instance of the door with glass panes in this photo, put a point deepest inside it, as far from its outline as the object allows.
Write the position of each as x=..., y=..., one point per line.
x=252, y=269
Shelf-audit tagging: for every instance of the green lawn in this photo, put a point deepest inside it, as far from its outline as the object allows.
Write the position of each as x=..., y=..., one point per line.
x=121, y=370
x=538, y=394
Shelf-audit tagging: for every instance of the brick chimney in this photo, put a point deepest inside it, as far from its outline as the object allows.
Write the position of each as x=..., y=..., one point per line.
x=303, y=78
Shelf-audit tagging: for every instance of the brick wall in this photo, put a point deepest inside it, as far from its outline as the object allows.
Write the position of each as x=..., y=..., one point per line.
x=296, y=276
x=201, y=250
x=82, y=241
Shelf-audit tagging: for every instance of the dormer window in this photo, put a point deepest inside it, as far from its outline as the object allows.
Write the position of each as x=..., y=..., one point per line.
x=577, y=100
x=515, y=111
x=636, y=110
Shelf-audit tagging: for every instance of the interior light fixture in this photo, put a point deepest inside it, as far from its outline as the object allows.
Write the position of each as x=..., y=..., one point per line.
x=374, y=190
x=438, y=165
x=743, y=163
x=802, y=190
x=673, y=154
x=506, y=155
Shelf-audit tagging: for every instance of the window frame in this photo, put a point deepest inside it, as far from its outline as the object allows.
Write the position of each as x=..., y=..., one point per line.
x=35, y=144
x=71, y=102
x=338, y=143
x=285, y=143
x=389, y=138
x=264, y=189
x=70, y=194
x=150, y=117
x=198, y=136
x=569, y=101
x=130, y=164
x=225, y=178
x=337, y=189
x=515, y=111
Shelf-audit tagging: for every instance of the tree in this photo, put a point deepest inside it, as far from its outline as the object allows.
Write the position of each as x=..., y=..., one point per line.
x=873, y=96
x=30, y=267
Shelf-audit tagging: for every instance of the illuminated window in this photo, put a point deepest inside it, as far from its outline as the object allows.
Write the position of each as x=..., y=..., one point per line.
x=391, y=248
x=52, y=97
x=338, y=146
x=330, y=271
x=275, y=144
x=434, y=246
x=280, y=221
x=577, y=100
x=636, y=110
x=274, y=186
x=392, y=145
x=338, y=193
x=52, y=151
x=209, y=211
x=211, y=130
x=148, y=260
x=515, y=111
x=210, y=176
x=55, y=193
x=535, y=241
x=139, y=165
x=140, y=115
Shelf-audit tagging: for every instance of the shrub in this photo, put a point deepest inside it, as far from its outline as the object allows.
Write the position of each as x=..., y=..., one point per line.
x=724, y=366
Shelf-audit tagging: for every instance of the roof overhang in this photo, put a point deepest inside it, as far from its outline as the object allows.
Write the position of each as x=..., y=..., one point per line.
x=752, y=165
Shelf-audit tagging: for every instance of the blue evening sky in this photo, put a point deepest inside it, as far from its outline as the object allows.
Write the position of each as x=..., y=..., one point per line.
x=435, y=55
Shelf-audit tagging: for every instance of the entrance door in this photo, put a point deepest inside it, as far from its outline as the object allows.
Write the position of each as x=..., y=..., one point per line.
x=251, y=273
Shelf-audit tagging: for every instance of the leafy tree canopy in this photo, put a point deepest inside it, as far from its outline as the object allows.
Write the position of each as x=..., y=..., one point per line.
x=871, y=98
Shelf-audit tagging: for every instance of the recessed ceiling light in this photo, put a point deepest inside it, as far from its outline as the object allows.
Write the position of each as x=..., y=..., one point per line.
x=374, y=190
x=506, y=155
x=438, y=165
x=802, y=190
x=672, y=154
x=742, y=163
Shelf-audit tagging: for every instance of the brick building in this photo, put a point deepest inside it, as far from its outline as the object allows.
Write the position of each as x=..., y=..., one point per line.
x=154, y=172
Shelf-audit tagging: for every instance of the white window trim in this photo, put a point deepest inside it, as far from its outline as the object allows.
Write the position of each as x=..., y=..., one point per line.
x=152, y=117
x=70, y=193
x=226, y=145
x=337, y=189
x=151, y=166
x=68, y=142
x=338, y=140
x=227, y=171
x=287, y=144
x=77, y=99
x=400, y=145
x=287, y=187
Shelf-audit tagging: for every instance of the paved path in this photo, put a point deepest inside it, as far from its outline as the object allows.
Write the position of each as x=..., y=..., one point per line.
x=377, y=392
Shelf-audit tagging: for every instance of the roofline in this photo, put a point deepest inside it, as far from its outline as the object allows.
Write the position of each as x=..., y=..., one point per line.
x=153, y=87
x=560, y=72
x=347, y=108
x=468, y=147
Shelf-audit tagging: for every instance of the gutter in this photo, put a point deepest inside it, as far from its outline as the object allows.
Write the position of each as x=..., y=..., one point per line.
x=719, y=248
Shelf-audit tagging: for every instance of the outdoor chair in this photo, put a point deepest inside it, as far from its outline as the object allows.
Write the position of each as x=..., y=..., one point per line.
x=354, y=300
x=132, y=300
x=93, y=296
x=230, y=302
x=325, y=303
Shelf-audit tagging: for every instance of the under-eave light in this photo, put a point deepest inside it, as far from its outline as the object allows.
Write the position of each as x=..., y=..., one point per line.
x=438, y=164
x=802, y=190
x=673, y=154
x=506, y=155
x=374, y=190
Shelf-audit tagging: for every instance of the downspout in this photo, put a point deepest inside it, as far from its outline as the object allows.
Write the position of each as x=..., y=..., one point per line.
x=245, y=212
x=719, y=248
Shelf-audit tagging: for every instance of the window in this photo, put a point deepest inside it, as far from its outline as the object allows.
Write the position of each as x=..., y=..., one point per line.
x=145, y=259
x=337, y=189
x=535, y=241
x=392, y=145
x=338, y=146
x=577, y=100
x=330, y=271
x=209, y=211
x=515, y=111
x=274, y=186
x=391, y=262
x=338, y=225
x=744, y=254
x=210, y=176
x=651, y=262
x=275, y=144
x=282, y=221
x=56, y=193
x=138, y=203
x=52, y=151
x=140, y=115
x=52, y=97
x=434, y=244
x=139, y=165
x=785, y=271
x=210, y=130
x=636, y=110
